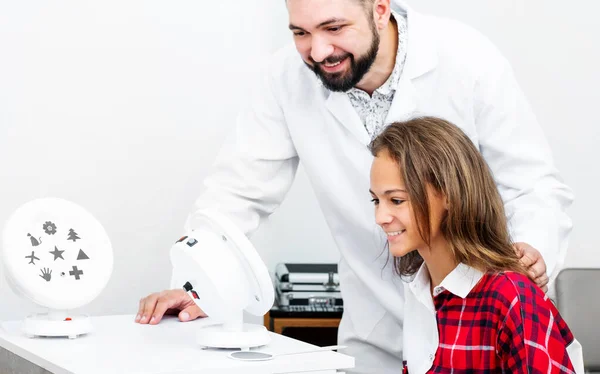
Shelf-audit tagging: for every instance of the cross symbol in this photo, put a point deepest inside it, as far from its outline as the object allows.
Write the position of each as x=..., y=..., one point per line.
x=76, y=272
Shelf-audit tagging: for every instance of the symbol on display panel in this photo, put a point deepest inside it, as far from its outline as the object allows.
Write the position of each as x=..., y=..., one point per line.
x=32, y=258
x=49, y=228
x=76, y=272
x=57, y=253
x=73, y=235
x=82, y=256
x=62, y=274
x=46, y=274
x=34, y=242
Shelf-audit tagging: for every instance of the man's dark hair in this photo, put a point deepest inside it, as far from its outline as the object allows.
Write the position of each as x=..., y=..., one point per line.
x=365, y=3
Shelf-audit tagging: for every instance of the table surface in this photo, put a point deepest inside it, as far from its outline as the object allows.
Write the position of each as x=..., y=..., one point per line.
x=118, y=345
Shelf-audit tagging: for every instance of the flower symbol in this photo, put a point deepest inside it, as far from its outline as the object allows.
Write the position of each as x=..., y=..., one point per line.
x=49, y=228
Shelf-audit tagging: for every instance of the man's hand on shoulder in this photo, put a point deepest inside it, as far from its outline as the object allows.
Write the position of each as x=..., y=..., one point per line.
x=533, y=261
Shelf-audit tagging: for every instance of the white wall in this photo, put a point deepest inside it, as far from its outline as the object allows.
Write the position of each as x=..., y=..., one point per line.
x=554, y=47
x=121, y=106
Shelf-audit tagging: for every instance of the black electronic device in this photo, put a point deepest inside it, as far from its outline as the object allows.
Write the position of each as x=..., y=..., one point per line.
x=308, y=289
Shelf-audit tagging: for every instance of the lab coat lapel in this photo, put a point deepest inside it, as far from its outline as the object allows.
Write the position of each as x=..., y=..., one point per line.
x=404, y=103
x=421, y=58
x=339, y=105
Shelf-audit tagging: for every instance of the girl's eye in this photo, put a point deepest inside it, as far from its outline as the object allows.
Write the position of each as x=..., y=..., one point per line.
x=299, y=33
x=375, y=201
x=397, y=201
x=335, y=29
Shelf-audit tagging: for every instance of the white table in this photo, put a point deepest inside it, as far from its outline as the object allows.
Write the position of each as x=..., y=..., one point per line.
x=118, y=345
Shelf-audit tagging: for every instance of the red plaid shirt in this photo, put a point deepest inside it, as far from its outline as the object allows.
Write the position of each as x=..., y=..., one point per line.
x=504, y=323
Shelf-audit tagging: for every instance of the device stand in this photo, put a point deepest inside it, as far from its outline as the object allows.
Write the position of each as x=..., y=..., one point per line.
x=56, y=323
x=233, y=334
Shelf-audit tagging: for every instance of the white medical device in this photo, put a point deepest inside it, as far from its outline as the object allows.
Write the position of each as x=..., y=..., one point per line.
x=224, y=275
x=57, y=255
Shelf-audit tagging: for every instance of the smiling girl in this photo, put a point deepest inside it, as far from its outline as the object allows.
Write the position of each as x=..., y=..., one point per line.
x=470, y=306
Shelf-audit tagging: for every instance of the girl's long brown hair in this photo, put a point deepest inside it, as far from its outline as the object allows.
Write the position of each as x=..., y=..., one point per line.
x=433, y=151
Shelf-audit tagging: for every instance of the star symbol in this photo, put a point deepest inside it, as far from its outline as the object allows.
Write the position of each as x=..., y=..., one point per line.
x=57, y=253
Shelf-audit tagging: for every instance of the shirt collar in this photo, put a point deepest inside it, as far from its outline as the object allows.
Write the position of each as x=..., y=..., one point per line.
x=419, y=287
x=460, y=281
x=421, y=280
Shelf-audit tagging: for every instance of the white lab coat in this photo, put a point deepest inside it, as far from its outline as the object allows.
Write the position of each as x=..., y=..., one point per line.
x=451, y=72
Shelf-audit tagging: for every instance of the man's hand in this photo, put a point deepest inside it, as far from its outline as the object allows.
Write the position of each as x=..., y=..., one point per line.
x=155, y=306
x=534, y=263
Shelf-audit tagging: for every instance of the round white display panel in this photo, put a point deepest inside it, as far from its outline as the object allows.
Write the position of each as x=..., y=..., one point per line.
x=56, y=254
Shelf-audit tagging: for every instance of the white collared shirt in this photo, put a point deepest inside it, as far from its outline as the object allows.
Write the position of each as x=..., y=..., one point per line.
x=421, y=337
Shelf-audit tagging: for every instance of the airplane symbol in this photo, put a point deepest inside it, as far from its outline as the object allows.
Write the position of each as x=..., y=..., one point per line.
x=32, y=258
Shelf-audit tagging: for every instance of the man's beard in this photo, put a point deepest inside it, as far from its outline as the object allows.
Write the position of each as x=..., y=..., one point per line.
x=345, y=80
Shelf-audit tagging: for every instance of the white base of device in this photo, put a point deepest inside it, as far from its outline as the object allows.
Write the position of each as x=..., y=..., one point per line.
x=243, y=336
x=55, y=325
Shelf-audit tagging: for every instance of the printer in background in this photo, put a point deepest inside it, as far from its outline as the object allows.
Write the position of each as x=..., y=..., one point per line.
x=308, y=302
x=308, y=290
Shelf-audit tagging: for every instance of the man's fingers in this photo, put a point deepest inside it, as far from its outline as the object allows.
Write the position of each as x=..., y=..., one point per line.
x=140, y=309
x=527, y=261
x=529, y=257
x=534, y=263
x=519, y=249
x=163, y=303
x=191, y=313
x=143, y=305
x=538, y=269
x=542, y=282
x=148, y=310
x=152, y=308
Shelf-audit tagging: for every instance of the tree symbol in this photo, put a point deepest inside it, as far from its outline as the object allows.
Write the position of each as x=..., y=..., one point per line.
x=73, y=235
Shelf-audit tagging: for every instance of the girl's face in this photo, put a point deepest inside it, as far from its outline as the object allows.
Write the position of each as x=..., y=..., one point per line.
x=393, y=208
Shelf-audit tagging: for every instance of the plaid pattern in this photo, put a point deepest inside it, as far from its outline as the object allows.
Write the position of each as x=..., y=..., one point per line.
x=505, y=324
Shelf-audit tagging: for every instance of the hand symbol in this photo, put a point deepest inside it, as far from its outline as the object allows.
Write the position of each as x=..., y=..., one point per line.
x=46, y=274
